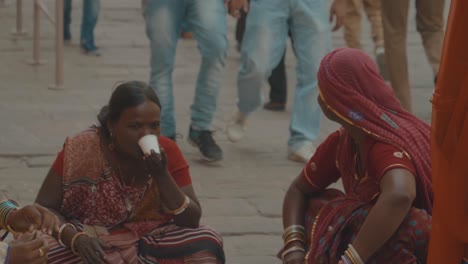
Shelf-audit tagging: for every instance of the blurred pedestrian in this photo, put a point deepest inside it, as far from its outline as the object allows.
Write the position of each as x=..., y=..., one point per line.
x=277, y=80
x=207, y=21
x=430, y=25
x=352, y=28
x=88, y=23
x=263, y=46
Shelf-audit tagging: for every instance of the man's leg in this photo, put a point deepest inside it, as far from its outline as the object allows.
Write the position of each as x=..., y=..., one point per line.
x=163, y=21
x=262, y=48
x=430, y=24
x=240, y=29
x=373, y=11
x=374, y=14
x=395, y=22
x=90, y=17
x=207, y=19
x=352, y=24
x=67, y=8
x=278, y=87
x=311, y=36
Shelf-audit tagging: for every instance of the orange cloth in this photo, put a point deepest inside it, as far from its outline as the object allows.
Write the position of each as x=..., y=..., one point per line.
x=449, y=144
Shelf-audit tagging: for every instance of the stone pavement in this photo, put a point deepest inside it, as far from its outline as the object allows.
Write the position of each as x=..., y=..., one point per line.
x=241, y=196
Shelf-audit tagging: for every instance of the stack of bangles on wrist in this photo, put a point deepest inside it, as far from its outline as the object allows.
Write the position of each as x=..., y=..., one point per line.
x=6, y=207
x=73, y=240
x=182, y=208
x=291, y=234
x=351, y=256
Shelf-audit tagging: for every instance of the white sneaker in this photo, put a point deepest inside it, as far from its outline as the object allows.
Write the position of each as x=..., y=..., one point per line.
x=303, y=154
x=235, y=128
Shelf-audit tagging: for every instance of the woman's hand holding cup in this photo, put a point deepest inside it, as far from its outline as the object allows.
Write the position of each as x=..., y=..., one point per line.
x=155, y=158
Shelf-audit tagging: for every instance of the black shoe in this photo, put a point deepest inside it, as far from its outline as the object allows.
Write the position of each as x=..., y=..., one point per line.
x=204, y=141
x=274, y=106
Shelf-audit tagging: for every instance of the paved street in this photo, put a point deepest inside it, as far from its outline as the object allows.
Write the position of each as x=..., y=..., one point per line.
x=241, y=196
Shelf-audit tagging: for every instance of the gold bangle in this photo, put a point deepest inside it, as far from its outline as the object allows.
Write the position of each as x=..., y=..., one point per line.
x=350, y=257
x=182, y=208
x=59, y=235
x=290, y=250
x=72, y=243
x=293, y=227
x=355, y=254
x=294, y=239
x=294, y=234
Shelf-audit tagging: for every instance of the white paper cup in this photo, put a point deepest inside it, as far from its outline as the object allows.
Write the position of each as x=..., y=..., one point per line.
x=148, y=143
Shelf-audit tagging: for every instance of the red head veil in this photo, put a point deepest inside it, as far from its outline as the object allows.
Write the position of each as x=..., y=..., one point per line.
x=350, y=84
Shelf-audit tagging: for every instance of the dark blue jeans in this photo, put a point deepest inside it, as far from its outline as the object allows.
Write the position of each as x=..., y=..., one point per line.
x=89, y=21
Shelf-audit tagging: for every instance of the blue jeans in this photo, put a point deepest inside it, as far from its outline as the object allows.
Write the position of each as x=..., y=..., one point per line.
x=90, y=17
x=263, y=46
x=207, y=20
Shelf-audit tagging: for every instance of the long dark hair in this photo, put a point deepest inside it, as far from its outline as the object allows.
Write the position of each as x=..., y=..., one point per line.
x=126, y=95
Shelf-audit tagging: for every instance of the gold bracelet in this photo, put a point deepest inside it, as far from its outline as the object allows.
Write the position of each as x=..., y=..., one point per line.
x=290, y=250
x=350, y=256
x=182, y=208
x=294, y=234
x=59, y=235
x=72, y=243
x=355, y=254
x=294, y=239
x=293, y=227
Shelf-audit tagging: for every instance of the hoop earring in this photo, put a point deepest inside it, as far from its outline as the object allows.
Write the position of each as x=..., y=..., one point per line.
x=111, y=145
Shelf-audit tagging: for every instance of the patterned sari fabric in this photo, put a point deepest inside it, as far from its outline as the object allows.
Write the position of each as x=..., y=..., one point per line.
x=130, y=220
x=343, y=217
x=351, y=87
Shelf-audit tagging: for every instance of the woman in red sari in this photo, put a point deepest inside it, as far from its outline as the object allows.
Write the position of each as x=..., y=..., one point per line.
x=381, y=154
x=118, y=205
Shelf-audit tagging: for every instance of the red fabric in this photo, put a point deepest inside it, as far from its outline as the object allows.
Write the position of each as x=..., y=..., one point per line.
x=324, y=168
x=125, y=217
x=352, y=87
x=177, y=165
x=342, y=216
x=92, y=192
x=321, y=170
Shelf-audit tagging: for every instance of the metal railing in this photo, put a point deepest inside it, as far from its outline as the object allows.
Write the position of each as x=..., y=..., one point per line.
x=39, y=8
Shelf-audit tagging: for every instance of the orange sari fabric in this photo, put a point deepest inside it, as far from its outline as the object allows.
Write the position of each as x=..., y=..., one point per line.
x=449, y=143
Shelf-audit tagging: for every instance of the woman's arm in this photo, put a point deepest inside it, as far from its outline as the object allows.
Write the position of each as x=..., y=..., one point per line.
x=295, y=201
x=181, y=201
x=50, y=193
x=50, y=196
x=294, y=208
x=398, y=191
x=174, y=198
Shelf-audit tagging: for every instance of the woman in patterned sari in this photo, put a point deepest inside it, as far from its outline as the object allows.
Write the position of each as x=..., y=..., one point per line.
x=381, y=154
x=118, y=205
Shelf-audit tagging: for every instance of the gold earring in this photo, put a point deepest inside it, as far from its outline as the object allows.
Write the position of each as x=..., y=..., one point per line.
x=111, y=145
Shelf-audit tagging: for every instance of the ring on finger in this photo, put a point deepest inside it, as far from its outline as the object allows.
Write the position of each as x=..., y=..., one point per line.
x=41, y=252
